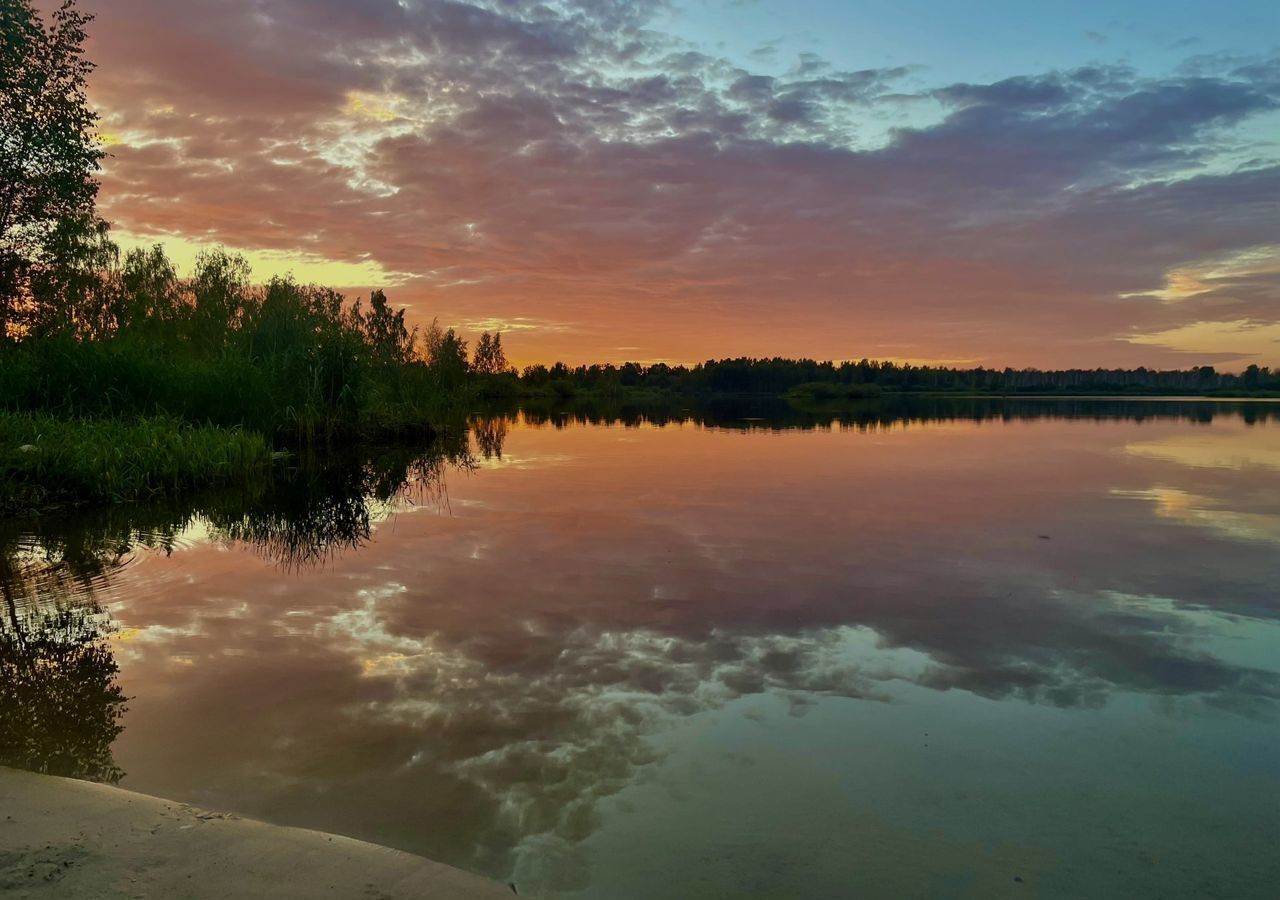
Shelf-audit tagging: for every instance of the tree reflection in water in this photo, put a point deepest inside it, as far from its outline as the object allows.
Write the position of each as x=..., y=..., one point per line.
x=473, y=689
x=60, y=700
x=61, y=703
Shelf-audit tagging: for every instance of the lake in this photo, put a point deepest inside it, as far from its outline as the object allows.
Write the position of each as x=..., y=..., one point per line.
x=971, y=649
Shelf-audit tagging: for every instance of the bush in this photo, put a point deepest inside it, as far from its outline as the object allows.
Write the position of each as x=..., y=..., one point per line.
x=830, y=392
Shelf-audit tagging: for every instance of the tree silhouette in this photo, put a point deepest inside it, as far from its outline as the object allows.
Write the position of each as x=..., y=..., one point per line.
x=49, y=153
x=384, y=330
x=60, y=700
x=865, y=378
x=489, y=356
x=446, y=353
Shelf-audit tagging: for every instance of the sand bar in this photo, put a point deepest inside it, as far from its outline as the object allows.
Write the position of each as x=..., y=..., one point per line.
x=74, y=840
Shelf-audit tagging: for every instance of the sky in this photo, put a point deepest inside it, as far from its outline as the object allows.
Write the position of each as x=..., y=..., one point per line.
x=996, y=183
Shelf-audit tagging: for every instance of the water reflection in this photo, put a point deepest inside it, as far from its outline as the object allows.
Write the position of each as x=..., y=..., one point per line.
x=323, y=506
x=314, y=507
x=496, y=681
x=60, y=699
x=777, y=414
x=61, y=704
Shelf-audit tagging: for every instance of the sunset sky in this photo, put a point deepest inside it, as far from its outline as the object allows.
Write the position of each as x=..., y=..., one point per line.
x=1000, y=182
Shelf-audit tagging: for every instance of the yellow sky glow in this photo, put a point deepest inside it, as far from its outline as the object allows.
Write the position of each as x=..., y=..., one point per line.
x=267, y=264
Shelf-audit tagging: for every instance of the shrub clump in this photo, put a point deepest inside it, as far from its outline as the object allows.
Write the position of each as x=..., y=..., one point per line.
x=831, y=392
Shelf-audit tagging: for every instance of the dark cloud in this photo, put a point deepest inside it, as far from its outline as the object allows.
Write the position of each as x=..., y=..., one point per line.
x=568, y=161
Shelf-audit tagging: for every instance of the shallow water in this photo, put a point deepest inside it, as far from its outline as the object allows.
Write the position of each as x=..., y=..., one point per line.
x=1022, y=650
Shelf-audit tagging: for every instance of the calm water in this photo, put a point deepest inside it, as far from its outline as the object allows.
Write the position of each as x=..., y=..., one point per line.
x=980, y=652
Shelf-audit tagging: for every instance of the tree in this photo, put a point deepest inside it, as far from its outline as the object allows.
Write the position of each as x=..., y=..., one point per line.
x=49, y=153
x=480, y=360
x=489, y=356
x=446, y=353
x=384, y=330
x=220, y=297
x=150, y=295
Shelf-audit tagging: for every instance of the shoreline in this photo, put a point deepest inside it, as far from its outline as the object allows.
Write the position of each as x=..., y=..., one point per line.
x=75, y=840
x=646, y=396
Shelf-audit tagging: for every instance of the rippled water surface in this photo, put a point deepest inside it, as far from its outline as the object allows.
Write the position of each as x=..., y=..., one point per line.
x=995, y=651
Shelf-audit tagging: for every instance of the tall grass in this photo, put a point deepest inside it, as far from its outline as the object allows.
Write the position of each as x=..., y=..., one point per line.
x=47, y=462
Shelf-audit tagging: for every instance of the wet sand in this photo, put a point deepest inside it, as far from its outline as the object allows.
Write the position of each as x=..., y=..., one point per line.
x=73, y=840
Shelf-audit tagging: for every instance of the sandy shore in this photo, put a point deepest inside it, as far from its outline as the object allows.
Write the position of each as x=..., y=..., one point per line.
x=73, y=840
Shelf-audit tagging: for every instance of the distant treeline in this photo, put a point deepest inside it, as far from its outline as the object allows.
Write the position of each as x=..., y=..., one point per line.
x=778, y=376
x=770, y=413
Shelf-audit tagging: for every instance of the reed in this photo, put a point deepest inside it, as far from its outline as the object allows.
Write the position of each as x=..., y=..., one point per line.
x=48, y=463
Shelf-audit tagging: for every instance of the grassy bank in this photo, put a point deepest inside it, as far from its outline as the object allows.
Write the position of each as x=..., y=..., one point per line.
x=48, y=462
x=318, y=394
x=296, y=362
x=130, y=382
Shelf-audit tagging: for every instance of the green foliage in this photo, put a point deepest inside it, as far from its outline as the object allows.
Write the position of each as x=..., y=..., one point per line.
x=171, y=370
x=446, y=354
x=384, y=331
x=493, y=378
x=503, y=386
x=289, y=360
x=84, y=334
x=820, y=392
x=48, y=462
x=490, y=358
x=48, y=156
